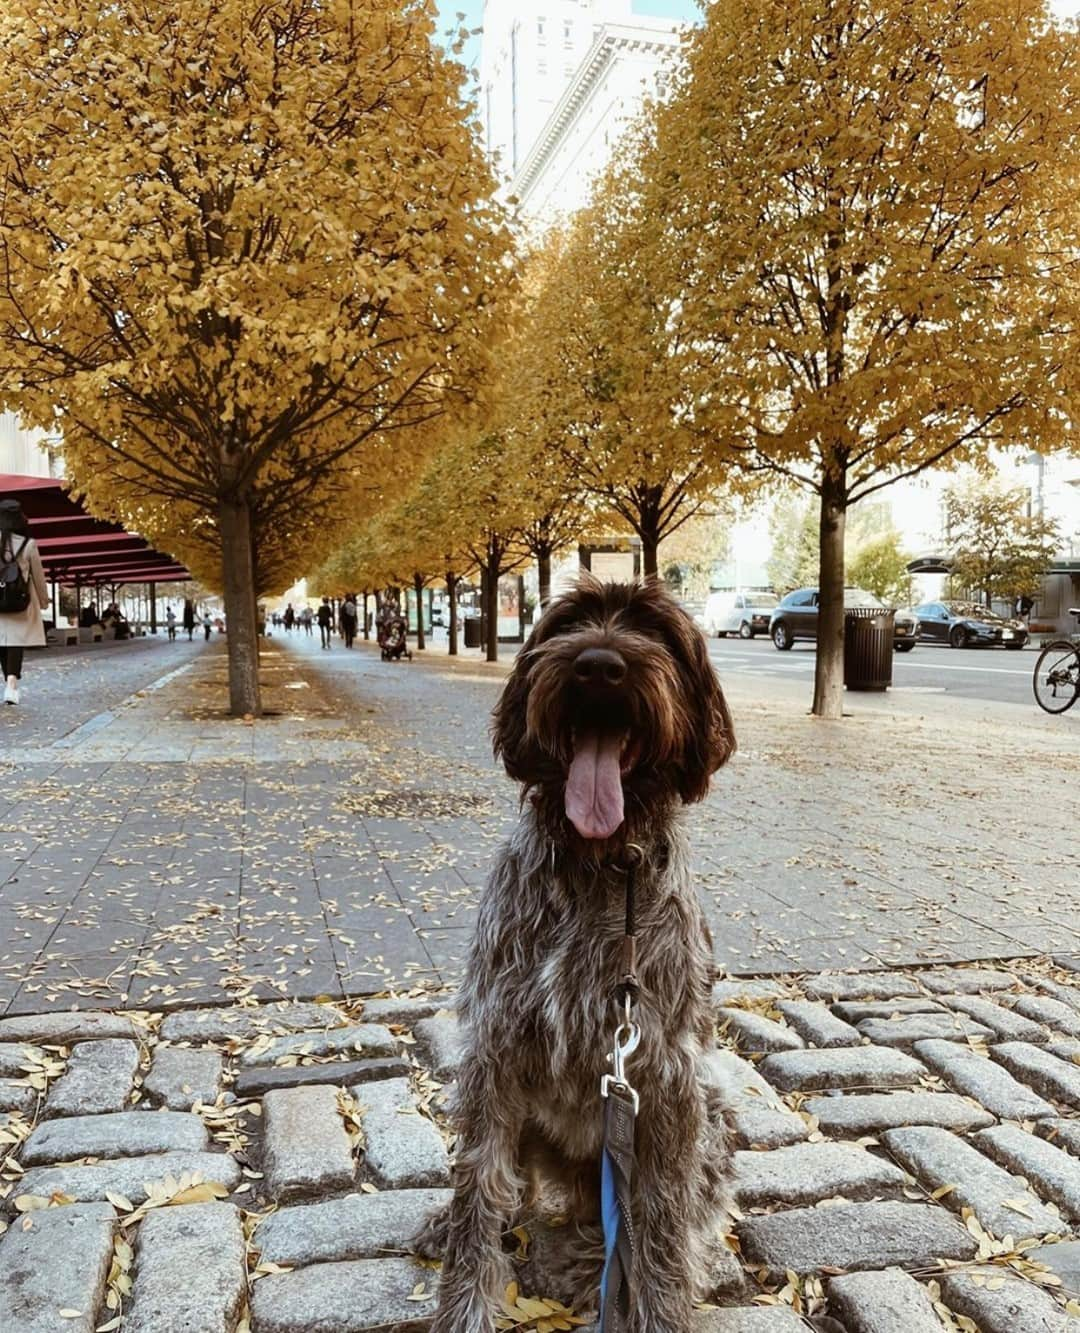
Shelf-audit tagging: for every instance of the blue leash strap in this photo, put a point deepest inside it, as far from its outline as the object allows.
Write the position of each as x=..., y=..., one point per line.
x=616, y=1175
x=620, y=1116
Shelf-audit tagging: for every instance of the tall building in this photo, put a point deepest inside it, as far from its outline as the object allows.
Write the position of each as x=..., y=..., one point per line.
x=26, y=453
x=559, y=82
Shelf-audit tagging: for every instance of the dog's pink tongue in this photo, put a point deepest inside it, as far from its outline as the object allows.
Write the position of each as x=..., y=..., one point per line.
x=594, y=794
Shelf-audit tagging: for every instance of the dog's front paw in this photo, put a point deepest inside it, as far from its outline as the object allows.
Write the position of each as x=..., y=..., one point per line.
x=430, y=1241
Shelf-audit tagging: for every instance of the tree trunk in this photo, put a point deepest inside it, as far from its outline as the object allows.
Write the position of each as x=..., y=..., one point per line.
x=418, y=585
x=829, y=669
x=234, y=524
x=543, y=562
x=451, y=593
x=152, y=590
x=367, y=632
x=491, y=602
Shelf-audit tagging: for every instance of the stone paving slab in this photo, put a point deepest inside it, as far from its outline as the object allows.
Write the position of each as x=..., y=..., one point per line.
x=912, y=1028
x=978, y=1077
x=402, y=1148
x=1006, y=1024
x=246, y=1025
x=306, y=1149
x=179, y=1077
x=809, y=1172
x=53, y=1271
x=855, y=1067
x=128, y=1176
x=358, y=1226
x=354, y=1297
x=754, y=1032
x=339, y=1073
x=869, y=1113
x=1005, y=1306
x=886, y=1302
x=115, y=1135
x=818, y=1025
x=945, y=1162
x=191, y=1271
x=1046, y=1073
x=855, y=1236
x=372, y=1040
x=1054, y=1172
x=100, y=1076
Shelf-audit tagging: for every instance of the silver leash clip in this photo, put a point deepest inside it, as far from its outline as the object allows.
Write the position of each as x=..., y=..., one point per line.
x=627, y=1040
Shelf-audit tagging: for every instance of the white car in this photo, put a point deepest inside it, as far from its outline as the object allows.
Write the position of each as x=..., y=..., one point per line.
x=741, y=613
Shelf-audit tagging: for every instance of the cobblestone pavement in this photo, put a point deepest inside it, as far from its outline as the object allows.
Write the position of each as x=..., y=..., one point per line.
x=909, y=1160
x=155, y=853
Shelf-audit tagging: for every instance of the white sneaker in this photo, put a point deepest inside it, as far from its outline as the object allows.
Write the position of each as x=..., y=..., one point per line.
x=11, y=691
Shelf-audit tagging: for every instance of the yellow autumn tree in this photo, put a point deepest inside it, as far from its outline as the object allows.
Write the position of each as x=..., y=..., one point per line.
x=603, y=390
x=865, y=211
x=242, y=247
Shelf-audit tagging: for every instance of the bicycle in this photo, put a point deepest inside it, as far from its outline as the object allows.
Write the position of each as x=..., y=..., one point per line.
x=1057, y=673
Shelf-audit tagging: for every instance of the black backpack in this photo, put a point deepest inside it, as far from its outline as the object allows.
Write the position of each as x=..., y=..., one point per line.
x=14, y=589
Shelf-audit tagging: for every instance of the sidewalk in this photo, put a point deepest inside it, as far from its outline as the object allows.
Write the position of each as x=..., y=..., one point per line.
x=909, y=1160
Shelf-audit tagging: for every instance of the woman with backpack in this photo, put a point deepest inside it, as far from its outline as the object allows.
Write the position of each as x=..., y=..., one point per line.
x=24, y=594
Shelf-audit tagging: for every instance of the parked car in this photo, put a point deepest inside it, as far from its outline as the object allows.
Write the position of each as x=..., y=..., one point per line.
x=741, y=613
x=965, y=625
x=796, y=617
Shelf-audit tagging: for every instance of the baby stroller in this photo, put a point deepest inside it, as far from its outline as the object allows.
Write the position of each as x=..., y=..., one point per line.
x=392, y=640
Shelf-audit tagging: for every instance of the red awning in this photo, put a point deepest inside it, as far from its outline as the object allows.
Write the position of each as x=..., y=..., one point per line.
x=77, y=548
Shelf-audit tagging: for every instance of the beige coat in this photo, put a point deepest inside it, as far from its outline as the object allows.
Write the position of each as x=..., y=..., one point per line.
x=27, y=629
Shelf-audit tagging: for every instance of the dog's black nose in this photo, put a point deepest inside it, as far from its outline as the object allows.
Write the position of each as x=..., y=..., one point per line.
x=600, y=666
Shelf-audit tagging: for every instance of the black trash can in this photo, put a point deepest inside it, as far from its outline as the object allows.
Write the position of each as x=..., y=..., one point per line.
x=472, y=632
x=868, y=648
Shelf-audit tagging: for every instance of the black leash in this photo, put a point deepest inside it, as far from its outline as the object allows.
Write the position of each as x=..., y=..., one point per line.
x=620, y=1116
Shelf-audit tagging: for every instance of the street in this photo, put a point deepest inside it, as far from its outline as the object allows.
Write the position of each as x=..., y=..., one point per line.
x=991, y=674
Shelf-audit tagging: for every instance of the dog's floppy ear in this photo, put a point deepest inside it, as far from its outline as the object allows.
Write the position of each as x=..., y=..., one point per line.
x=711, y=741
x=509, y=731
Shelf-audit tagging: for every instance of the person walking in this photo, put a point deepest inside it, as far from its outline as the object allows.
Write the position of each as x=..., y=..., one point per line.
x=307, y=619
x=289, y=617
x=347, y=618
x=189, y=617
x=24, y=594
x=325, y=618
x=208, y=625
x=170, y=623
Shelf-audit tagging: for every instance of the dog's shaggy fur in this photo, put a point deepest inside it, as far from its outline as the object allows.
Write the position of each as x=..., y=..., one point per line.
x=538, y=1003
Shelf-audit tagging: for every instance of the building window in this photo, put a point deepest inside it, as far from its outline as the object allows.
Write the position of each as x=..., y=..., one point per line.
x=541, y=31
x=568, y=34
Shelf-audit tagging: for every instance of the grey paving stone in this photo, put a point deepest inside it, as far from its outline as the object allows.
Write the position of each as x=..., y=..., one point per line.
x=754, y=1032
x=244, y=1024
x=128, y=1175
x=1042, y=1071
x=977, y=1076
x=179, y=1077
x=854, y=1236
x=732, y=989
x=1065, y=1133
x=120, y=1134
x=1066, y=994
x=1067, y=1048
x=191, y=1271
x=98, y=1078
x=358, y=1226
x=17, y=1096
x=67, y=1028
x=761, y=1120
x=809, y=1172
x=402, y=1148
x=967, y=980
x=846, y=1067
x=305, y=1146
x=998, y=1200
x=854, y=1011
x=854, y=1116
x=859, y=986
x=1053, y=1013
x=888, y=1302
x=1005, y=1023
x=1063, y=1257
x=59, y=1262
x=15, y=1059
x=748, y=1319
x=405, y=1010
x=909, y=1029
x=360, y=1296
x=818, y=1025
x=1012, y=1306
x=1051, y=1170
x=441, y=1042
x=372, y=1040
x=338, y=1073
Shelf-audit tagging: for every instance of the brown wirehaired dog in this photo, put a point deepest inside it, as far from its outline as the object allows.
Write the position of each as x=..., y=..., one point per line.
x=611, y=719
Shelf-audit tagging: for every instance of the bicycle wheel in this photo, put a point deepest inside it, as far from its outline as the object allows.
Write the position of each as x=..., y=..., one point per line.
x=1057, y=677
